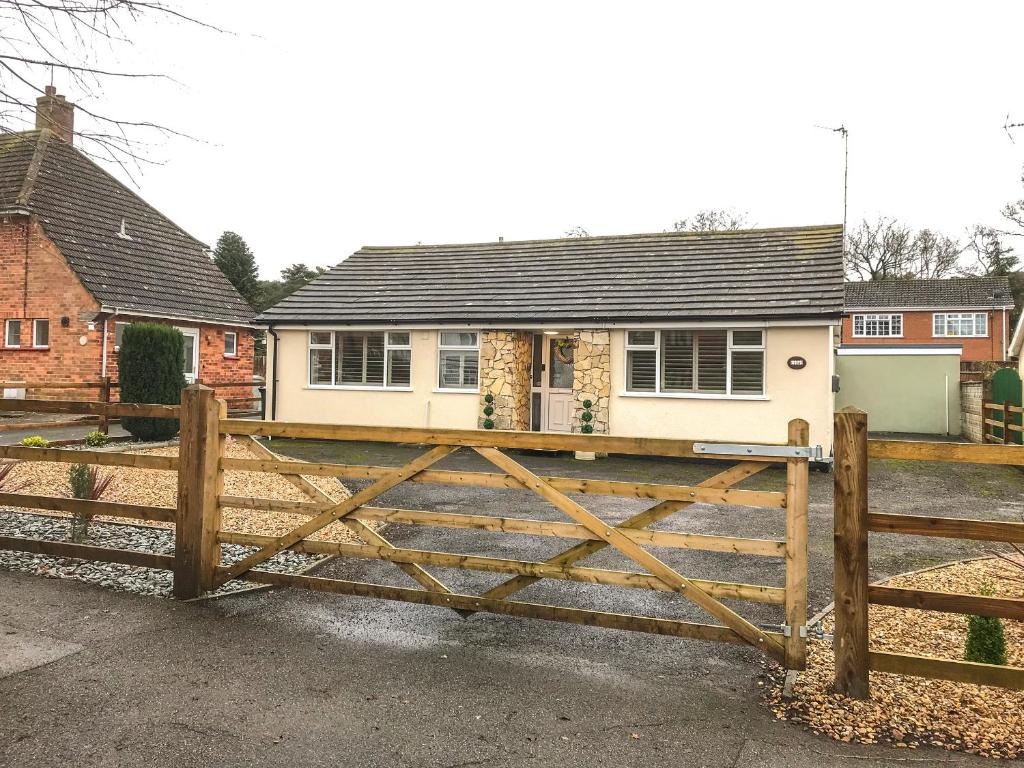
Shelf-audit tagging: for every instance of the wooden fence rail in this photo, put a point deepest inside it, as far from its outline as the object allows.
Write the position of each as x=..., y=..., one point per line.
x=853, y=593
x=1005, y=430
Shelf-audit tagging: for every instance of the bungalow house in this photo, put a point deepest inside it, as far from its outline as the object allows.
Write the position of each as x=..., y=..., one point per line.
x=82, y=256
x=716, y=335
x=971, y=312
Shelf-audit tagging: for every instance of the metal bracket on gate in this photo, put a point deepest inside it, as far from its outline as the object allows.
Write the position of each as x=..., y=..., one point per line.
x=787, y=631
x=774, y=451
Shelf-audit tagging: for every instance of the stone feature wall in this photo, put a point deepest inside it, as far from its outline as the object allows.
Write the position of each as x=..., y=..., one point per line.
x=505, y=358
x=972, y=394
x=592, y=378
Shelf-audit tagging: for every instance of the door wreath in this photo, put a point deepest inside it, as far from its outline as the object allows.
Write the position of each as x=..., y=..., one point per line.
x=565, y=350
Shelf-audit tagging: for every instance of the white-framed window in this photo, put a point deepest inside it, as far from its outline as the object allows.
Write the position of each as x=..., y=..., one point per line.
x=875, y=325
x=960, y=324
x=119, y=334
x=458, y=360
x=230, y=344
x=12, y=333
x=40, y=334
x=360, y=359
x=696, y=361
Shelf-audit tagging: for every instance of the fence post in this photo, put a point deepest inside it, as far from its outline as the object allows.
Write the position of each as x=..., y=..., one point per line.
x=851, y=552
x=200, y=484
x=796, y=549
x=1006, y=422
x=105, y=398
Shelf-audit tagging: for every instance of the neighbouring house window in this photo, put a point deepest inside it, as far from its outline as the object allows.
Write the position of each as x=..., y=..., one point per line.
x=713, y=362
x=348, y=358
x=40, y=333
x=960, y=324
x=12, y=333
x=458, y=360
x=230, y=343
x=119, y=334
x=877, y=325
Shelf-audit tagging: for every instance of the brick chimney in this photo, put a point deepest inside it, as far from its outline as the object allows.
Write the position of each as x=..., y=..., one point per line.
x=56, y=113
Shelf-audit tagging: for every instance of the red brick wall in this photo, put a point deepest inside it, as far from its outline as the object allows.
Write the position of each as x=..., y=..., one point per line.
x=917, y=329
x=48, y=288
x=214, y=365
x=36, y=283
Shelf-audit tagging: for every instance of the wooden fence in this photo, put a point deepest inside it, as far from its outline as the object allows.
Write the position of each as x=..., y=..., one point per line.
x=853, y=593
x=105, y=387
x=199, y=534
x=1001, y=423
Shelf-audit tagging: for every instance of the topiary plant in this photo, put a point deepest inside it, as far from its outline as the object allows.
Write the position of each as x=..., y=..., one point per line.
x=151, y=369
x=35, y=441
x=96, y=439
x=488, y=424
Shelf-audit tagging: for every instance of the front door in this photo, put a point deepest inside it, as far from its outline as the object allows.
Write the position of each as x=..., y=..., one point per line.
x=552, y=400
x=191, y=354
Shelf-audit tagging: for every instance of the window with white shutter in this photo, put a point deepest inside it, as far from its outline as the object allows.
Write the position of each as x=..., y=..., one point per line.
x=699, y=362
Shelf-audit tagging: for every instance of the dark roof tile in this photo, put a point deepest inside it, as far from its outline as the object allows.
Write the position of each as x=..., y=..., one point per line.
x=758, y=273
x=949, y=293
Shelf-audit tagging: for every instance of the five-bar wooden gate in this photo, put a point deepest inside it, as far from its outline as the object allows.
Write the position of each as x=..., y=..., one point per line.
x=200, y=533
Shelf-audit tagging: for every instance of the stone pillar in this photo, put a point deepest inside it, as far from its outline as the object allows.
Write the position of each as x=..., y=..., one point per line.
x=505, y=358
x=592, y=377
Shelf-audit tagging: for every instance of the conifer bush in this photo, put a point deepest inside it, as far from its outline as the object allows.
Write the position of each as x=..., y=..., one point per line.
x=151, y=369
x=986, y=643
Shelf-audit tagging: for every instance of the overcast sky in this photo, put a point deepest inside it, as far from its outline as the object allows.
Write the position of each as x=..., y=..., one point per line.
x=326, y=126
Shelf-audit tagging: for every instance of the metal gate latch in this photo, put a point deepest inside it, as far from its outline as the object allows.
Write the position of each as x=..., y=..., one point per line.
x=787, y=631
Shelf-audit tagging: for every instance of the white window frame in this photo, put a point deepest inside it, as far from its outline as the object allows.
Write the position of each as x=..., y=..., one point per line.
x=35, y=333
x=959, y=316
x=389, y=346
x=118, y=324
x=234, y=347
x=441, y=346
x=7, y=334
x=876, y=317
x=730, y=347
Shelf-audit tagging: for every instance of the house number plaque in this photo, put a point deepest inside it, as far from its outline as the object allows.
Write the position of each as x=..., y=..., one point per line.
x=796, y=363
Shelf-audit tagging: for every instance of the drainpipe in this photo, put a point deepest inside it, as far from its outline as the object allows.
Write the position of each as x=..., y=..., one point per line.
x=103, y=365
x=273, y=376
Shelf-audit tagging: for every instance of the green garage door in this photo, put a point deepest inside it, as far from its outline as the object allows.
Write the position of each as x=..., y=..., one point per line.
x=903, y=388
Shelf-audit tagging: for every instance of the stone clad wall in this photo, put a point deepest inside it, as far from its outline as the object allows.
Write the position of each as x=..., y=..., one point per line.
x=592, y=377
x=972, y=394
x=505, y=358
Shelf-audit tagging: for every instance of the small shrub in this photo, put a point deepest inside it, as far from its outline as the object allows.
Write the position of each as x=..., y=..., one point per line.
x=151, y=364
x=96, y=439
x=35, y=441
x=86, y=483
x=986, y=643
x=488, y=423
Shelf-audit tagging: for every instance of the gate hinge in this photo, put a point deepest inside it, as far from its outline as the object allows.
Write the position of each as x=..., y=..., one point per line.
x=787, y=631
x=772, y=451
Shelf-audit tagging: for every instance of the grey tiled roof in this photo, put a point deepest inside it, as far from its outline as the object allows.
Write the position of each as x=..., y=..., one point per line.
x=950, y=293
x=161, y=270
x=768, y=273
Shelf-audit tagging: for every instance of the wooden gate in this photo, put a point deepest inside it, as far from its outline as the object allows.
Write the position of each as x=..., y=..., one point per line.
x=1001, y=418
x=199, y=530
x=853, y=592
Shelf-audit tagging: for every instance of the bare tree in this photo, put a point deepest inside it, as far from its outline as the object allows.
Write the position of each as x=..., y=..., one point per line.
x=576, y=231
x=991, y=256
x=40, y=38
x=934, y=255
x=888, y=250
x=713, y=220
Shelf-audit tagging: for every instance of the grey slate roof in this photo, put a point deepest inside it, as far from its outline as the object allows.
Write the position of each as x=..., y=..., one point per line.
x=161, y=270
x=768, y=273
x=952, y=293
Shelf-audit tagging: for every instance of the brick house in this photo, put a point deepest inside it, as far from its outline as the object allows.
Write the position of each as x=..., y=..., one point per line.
x=973, y=312
x=82, y=256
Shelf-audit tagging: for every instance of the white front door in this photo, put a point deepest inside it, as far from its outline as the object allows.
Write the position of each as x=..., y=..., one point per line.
x=552, y=385
x=191, y=354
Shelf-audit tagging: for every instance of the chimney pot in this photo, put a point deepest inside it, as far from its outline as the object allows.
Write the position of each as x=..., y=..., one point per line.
x=55, y=112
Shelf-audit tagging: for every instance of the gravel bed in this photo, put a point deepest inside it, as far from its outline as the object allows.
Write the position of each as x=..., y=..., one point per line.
x=909, y=712
x=125, y=578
